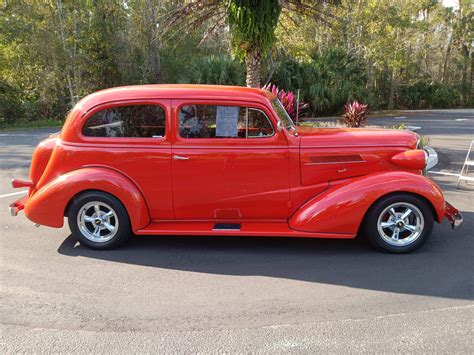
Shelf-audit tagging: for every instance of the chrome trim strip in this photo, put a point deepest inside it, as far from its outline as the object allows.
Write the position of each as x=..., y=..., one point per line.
x=338, y=162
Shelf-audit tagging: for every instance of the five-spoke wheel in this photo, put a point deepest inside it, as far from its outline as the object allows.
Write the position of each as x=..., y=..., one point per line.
x=399, y=223
x=98, y=220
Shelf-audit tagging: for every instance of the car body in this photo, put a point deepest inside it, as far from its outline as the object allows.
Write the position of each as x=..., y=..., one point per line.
x=222, y=160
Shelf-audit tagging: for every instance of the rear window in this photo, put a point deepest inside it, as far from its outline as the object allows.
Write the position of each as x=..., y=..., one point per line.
x=132, y=121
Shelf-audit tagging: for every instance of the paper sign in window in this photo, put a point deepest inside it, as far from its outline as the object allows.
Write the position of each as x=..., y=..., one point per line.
x=227, y=118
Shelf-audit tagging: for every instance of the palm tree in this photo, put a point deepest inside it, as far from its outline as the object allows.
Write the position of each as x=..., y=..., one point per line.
x=251, y=24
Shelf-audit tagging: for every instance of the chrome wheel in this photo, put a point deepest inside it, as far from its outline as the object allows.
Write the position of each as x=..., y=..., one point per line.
x=97, y=221
x=400, y=224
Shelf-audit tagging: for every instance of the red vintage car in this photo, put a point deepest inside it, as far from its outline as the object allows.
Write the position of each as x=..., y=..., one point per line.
x=217, y=160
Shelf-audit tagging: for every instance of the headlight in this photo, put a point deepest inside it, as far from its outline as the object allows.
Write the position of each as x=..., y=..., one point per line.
x=411, y=159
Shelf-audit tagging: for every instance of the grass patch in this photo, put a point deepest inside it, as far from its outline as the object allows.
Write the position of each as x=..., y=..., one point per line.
x=30, y=124
x=321, y=124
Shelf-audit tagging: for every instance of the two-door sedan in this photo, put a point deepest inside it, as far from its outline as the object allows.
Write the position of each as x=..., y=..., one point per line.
x=221, y=160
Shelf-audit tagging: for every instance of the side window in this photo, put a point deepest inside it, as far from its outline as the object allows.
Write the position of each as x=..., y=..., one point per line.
x=258, y=124
x=205, y=121
x=133, y=121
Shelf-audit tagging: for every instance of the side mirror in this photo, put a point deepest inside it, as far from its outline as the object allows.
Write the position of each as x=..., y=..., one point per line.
x=279, y=125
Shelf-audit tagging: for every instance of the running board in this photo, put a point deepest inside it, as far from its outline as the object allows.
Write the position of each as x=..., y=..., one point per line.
x=252, y=228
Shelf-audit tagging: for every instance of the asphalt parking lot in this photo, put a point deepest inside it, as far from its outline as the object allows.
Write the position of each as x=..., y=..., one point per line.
x=202, y=294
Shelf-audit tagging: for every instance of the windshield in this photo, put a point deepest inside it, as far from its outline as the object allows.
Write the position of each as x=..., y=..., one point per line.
x=283, y=115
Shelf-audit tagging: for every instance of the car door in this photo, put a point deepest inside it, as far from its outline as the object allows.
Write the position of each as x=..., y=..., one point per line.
x=133, y=137
x=229, y=162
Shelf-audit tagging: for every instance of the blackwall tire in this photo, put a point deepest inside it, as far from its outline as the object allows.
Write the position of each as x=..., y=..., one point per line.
x=399, y=223
x=99, y=220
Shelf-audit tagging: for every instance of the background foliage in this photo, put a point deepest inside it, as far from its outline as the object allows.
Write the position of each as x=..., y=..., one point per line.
x=388, y=53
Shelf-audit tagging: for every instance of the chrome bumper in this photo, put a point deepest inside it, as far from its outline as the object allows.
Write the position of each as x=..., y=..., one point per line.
x=457, y=222
x=13, y=211
x=431, y=158
x=17, y=206
x=453, y=216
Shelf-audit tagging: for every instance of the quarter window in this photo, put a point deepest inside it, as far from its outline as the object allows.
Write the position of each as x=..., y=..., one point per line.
x=206, y=121
x=282, y=114
x=133, y=121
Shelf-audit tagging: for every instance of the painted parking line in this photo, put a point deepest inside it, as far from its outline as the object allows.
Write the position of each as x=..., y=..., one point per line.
x=442, y=173
x=18, y=135
x=453, y=127
x=14, y=193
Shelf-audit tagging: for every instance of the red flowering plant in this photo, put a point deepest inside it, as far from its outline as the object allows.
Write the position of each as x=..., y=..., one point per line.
x=355, y=114
x=288, y=100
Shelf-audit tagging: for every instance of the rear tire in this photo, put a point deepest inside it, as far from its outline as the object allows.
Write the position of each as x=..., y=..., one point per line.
x=99, y=220
x=399, y=223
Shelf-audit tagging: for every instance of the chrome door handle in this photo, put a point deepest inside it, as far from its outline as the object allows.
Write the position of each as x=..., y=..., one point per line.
x=179, y=157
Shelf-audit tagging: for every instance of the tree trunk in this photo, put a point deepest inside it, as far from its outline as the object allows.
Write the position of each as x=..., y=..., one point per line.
x=253, y=62
x=154, y=52
x=370, y=76
x=465, y=90
x=392, y=90
x=446, y=58
x=471, y=82
x=66, y=51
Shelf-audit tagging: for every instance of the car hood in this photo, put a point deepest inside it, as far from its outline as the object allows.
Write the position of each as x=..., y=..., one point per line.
x=356, y=137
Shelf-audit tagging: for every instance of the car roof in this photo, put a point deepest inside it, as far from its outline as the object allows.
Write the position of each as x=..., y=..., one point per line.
x=170, y=91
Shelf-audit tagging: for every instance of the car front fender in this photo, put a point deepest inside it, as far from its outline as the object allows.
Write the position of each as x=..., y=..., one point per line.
x=48, y=204
x=342, y=207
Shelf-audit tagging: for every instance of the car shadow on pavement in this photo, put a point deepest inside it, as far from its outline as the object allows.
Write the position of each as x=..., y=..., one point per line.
x=442, y=267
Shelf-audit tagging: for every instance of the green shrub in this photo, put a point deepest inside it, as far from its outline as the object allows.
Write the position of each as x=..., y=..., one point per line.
x=326, y=81
x=219, y=70
x=423, y=94
x=11, y=108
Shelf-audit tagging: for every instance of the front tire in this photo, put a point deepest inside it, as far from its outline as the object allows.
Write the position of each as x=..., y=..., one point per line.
x=98, y=220
x=399, y=223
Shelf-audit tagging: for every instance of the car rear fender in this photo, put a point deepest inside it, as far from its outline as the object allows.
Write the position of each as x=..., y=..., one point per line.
x=342, y=207
x=48, y=204
x=41, y=157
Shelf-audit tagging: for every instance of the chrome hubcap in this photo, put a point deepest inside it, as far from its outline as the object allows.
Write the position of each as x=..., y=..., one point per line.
x=97, y=221
x=400, y=224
